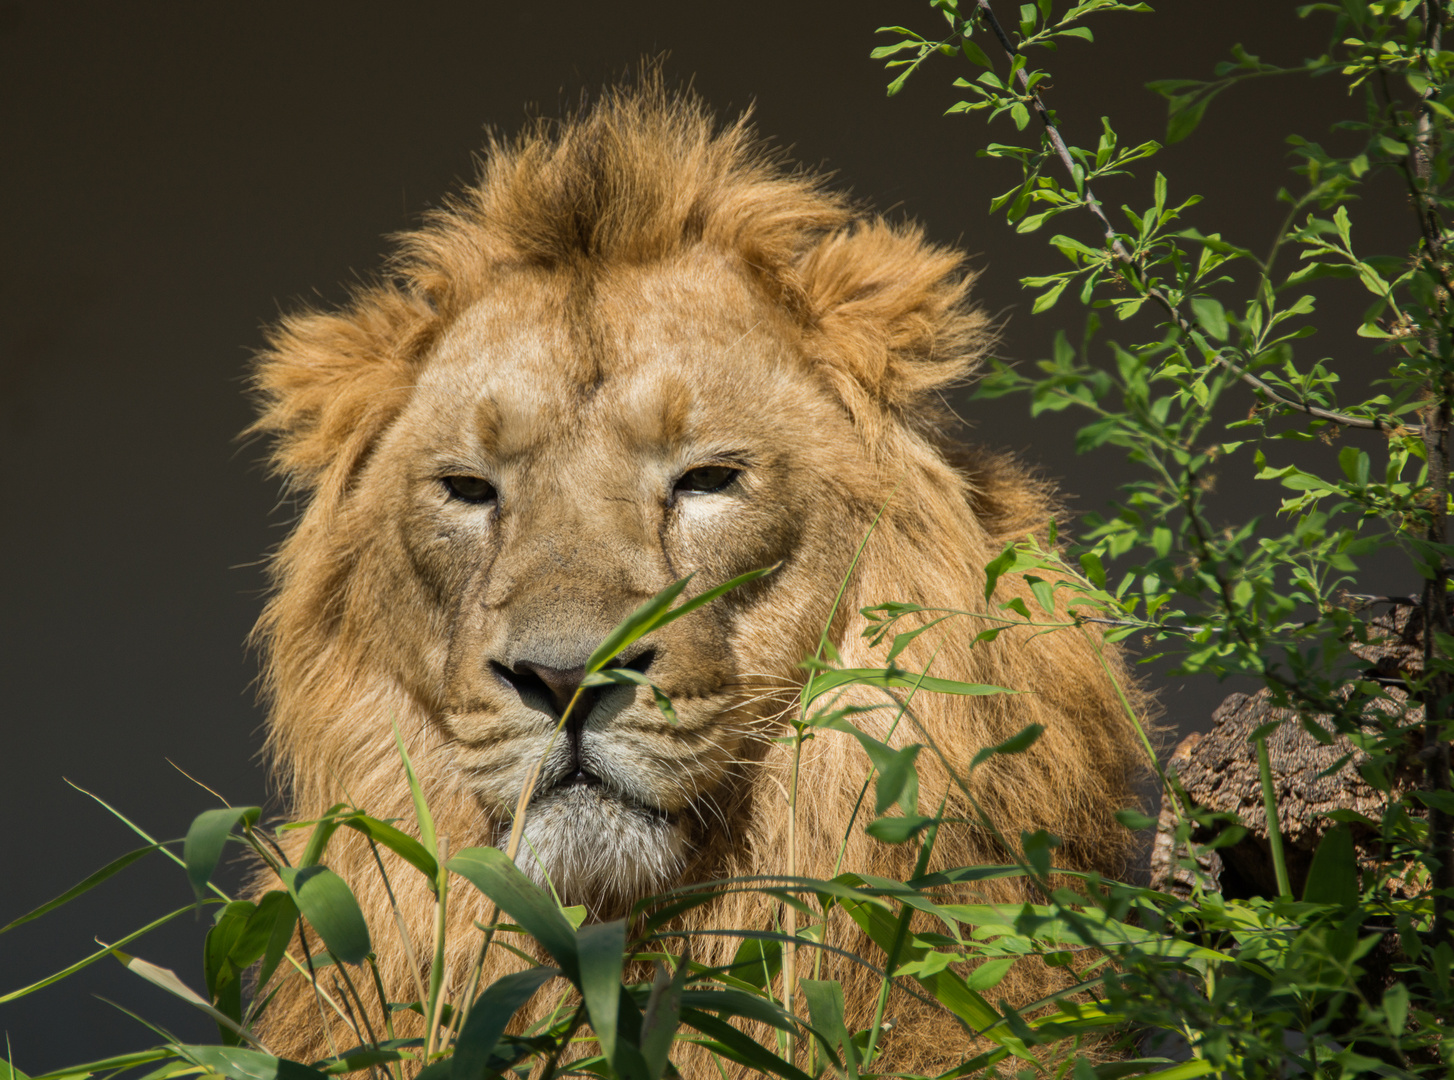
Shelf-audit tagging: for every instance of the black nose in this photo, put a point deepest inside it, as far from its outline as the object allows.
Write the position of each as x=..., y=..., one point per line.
x=553, y=688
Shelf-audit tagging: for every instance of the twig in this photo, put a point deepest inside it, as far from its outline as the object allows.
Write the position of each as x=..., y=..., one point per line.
x=1113, y=242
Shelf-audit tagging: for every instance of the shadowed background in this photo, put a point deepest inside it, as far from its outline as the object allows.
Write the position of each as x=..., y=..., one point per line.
x=177, y=175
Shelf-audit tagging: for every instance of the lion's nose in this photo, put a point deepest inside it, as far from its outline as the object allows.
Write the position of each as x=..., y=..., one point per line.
x=553, y=688
x=555, y=685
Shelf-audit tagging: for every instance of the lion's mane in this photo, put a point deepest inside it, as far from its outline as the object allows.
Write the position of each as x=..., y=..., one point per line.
x=880, y=315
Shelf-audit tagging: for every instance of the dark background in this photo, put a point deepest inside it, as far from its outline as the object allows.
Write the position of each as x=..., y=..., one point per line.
x=175, y=175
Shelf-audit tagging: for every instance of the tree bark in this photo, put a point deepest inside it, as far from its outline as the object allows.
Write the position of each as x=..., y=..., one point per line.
x=1218, y=772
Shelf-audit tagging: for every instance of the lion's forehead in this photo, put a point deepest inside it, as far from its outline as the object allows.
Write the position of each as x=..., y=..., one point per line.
x=654, y=359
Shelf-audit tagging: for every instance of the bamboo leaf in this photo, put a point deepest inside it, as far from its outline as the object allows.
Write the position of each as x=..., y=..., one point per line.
x=100, y=954
x=602, y=950
x=168, y=981
x=824, y=681
x=492, y=872
x=237, y=1063
x=400, y=843
x=489, y=1016
x=739, y=1047
x=654, y=614
x=1017, y=743
x=825, y=1007
x=328, y=904
x=84, y=886
x=206, y=838
x=421, y=807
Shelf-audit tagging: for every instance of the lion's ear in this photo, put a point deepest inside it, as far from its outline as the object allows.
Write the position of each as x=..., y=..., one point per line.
x=330, y=384
x=889, y=315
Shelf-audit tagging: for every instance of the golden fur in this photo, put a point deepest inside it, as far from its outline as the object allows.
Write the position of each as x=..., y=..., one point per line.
x=621, y=298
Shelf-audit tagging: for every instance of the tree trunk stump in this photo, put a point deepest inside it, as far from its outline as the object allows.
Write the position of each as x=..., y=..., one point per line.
x=1218, y=771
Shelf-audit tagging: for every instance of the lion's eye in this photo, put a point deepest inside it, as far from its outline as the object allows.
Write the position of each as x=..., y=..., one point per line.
x=707, y=478
x=471, y=489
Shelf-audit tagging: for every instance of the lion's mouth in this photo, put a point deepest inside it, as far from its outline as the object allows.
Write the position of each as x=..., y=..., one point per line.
x=582, y=788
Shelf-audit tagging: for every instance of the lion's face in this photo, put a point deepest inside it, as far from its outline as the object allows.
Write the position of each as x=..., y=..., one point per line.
x=570, y=449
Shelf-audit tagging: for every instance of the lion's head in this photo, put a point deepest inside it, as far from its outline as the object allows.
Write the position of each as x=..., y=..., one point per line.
x=641, y=347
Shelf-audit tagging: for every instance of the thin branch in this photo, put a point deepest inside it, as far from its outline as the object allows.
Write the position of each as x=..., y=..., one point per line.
x=1113, y=242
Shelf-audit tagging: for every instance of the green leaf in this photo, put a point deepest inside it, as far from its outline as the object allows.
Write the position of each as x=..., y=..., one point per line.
x=997, y=566
x=328, y=904
x=1211, y=316
x=205, y=840
x=491, y=871
x=1396, y=1007
x=1183, y=121
x=1046, y=300
x=757, y=962
x=323, y=830
x=1333, y=875
x=1134, y=820
x=824, y=681
x=628, y=677
x=602, y=950
x=275, y=918
x=662, y=1018
x=989, y=974
x=490, y=1015
x=168, y=981
x=896, y=772
x=116, y=1063
x=1043, y=592
x=400, y=843
x=237, y=1063
x=99, y=954
x=427, y=835
x=974, y=54
x=739, y=1047
x=825, y=1009
x=220, y=974
x=1354, y=463
x=113, y=867
x=1017, y=743
x=896, y=830
x=653, y=614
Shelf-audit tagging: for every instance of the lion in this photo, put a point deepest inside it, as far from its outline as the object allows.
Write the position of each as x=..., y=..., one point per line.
x=644, y=345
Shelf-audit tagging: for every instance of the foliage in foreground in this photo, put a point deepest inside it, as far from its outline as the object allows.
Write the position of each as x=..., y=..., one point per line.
x=1271, y=986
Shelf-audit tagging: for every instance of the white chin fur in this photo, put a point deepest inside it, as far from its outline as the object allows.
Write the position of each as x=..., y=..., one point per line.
x=597, y=850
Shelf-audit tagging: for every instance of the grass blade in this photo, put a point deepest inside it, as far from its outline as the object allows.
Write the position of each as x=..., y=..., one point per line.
x=134, y=827
x=490, y=1015
x=734, y=1044
x=239, y=1064
x=168, y=981
x=701, y=599
x=663, y=1016
x=98, y=955
x=602, y=950
x=400, y=843
x=113, y=867
x=421, y=808
x=654, y=614
x=824, y=681
x=825, y=1008
x=491, y=871
x=117, y=1063
x=642, y=621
